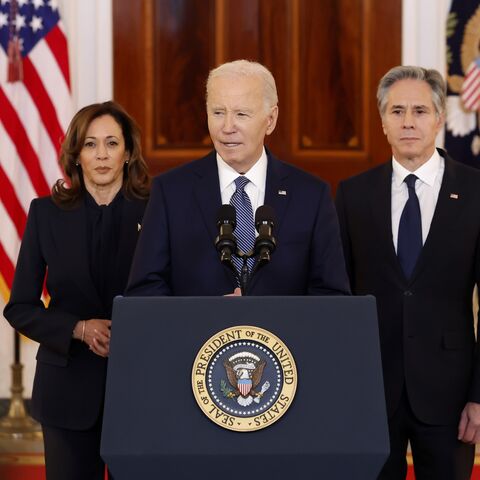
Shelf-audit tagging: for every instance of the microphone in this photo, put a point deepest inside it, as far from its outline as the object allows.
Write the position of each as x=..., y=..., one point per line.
x=265, y=243
x=226, y=243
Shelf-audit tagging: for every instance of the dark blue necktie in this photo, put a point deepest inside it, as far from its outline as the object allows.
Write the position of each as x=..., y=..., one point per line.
x=245, y=229
x=410, y=242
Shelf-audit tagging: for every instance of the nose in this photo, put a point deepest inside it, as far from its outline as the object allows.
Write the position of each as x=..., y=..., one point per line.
x=229, y=123
x=408, y=119
x=101, y=151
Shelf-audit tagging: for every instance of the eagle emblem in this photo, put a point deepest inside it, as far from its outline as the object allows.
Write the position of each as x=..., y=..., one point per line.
x=463, y=104
x=233, y=371
x=244, y=372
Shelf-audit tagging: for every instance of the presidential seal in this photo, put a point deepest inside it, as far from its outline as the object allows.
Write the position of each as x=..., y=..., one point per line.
x=244, y=378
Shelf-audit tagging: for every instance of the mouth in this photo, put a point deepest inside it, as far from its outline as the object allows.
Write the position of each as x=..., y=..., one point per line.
x=230, y=144
x=102, y=170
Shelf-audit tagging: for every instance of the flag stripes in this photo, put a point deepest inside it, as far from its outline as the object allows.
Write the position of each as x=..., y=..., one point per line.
x=42, y=101
x=471, y=87
x=26, y=154
x=34, y=114
x=12, y=205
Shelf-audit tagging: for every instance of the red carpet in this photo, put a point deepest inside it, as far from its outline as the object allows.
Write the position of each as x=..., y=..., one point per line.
x=22, y=467
x=30, y=467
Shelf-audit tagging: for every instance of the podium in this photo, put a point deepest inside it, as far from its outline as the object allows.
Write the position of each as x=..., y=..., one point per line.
x=335, y=428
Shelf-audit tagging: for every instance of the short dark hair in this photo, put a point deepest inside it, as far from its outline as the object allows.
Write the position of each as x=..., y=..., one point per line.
x=136, y=180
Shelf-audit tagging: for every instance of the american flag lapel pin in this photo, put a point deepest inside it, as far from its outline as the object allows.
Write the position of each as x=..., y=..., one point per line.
x=454, y=196
x=282, y=192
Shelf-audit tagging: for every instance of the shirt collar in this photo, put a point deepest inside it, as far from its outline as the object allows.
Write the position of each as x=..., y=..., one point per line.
x=257, y=174
x=426, y=173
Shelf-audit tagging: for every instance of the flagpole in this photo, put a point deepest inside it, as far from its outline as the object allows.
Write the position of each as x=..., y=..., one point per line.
x=17, y=423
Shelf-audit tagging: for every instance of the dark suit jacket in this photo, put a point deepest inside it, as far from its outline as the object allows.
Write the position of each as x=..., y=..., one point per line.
x=69, y=383
x=176, y=254
x=426, y=323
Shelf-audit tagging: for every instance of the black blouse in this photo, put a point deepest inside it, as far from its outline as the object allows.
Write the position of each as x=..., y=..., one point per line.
x=103, y=228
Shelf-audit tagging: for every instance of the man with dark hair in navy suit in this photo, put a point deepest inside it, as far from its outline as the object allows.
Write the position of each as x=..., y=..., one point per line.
x=176, y=252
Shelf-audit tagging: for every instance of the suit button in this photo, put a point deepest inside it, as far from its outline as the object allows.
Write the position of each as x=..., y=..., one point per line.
x=408, y=293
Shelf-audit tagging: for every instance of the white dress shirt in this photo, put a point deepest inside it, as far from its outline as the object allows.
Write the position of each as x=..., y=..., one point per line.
x=255, y=189
x=427, y=188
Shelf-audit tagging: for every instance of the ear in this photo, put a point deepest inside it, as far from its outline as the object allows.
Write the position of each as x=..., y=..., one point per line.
x=272, y=119
x=440, y=122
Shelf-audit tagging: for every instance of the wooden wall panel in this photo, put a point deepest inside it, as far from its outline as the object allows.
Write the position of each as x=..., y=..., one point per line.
x=330, y=46
x=239, y=28
x=183, y=52
x=327, y=57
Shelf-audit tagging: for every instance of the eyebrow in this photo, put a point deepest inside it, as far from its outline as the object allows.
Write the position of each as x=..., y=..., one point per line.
x=237, y=109
x=108, y=136
x=413, y=106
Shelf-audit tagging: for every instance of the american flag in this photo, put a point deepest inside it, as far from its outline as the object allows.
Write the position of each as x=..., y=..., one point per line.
x=244, y=385
x=471, y=86
x=35, y=108
x=462, y=132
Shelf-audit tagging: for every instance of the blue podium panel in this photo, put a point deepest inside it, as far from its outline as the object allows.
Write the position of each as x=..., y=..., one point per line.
x=336, y=427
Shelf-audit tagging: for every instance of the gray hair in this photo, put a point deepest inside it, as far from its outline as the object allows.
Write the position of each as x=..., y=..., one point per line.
x=431, y=76
x=247, y=68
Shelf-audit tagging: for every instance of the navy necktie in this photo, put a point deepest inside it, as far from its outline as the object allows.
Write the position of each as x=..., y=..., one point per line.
x=410, y=242
x=245, y=229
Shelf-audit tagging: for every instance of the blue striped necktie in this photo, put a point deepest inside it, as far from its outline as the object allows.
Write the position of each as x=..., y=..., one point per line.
x=245, y=229
x=409, y=244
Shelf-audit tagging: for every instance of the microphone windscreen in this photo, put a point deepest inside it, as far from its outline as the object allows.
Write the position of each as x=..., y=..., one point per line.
x=265, y=213
x=226, y=214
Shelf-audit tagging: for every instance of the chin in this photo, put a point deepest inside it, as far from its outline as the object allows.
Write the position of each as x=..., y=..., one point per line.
x=228, y=157
x=409, y=152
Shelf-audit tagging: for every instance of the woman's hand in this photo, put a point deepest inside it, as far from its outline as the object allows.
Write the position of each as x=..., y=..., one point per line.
x=96, y=334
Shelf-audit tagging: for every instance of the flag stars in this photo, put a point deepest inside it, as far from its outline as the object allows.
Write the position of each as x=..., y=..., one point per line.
x=22, y=3
x=3, y=19
x=4, y=2
x=36, y=23
x=19, y=21
x=53, y=4
x=38, y=3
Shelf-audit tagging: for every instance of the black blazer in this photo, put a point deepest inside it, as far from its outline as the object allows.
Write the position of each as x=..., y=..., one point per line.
x=69, y=382
x=176, y=252
x=426, y=323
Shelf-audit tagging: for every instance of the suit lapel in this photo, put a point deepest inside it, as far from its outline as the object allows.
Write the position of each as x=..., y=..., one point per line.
x=70, y=229
x=206, y=193
x=447, y=210
x=381, y=208
x=277, y=195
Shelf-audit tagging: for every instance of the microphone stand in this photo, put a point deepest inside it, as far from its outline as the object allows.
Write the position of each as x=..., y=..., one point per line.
x=244, y=275
x=261, y=255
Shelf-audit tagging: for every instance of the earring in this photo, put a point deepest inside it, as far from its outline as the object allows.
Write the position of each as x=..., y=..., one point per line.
x=126, y=162
x=77, y=164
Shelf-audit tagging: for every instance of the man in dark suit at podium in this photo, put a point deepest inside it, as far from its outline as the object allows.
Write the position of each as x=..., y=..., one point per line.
x=411, y=234
x=176, y=252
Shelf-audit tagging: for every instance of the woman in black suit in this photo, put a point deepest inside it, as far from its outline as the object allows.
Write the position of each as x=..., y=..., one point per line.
x=78, y=243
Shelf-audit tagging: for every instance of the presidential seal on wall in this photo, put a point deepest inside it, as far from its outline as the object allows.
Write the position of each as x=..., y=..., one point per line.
x=244, y=378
